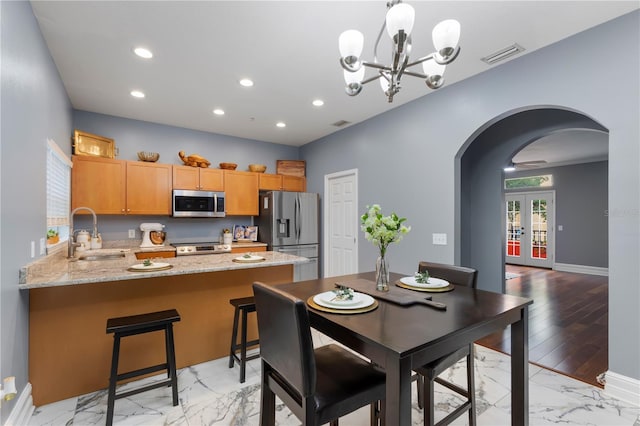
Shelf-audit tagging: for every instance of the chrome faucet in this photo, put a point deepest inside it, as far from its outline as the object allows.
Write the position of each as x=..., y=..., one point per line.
x=72, y=243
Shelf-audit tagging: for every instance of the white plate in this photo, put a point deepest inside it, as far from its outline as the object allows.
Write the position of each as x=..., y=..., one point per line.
x=360, y=300
x=253, y=258
x=154, y=266
x=431, y=283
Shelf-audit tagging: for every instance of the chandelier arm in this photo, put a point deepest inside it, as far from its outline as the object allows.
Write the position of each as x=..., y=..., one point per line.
x=370, y=79
x=375, y=46
x=376, y=65
x=423, y=59
x=415, y=74
x=449, y=59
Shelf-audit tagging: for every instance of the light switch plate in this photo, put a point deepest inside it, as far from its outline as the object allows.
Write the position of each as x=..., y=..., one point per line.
x=43, y=246
x=440, y=239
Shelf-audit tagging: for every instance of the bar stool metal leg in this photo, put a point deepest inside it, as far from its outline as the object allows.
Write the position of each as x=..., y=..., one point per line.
x=234, y=336
x=111, y=399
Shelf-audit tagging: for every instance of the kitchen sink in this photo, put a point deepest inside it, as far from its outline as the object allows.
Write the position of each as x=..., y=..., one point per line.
x=102, y=256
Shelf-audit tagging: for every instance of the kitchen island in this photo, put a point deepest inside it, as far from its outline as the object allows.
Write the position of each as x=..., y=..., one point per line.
x=70, y=302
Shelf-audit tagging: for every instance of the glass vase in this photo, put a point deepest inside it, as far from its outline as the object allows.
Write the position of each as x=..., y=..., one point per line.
x=382, y=274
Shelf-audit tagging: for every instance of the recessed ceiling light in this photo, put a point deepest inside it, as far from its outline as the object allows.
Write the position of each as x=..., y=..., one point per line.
x=281, y=124
x=218, y=111
x=143, y=53
x=318, y=102
x=137, y=94
x=246, y=82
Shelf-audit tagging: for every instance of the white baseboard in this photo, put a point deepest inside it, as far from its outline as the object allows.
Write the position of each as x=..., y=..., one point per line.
x=22, y=411
x=581, y=269
x=623, y=388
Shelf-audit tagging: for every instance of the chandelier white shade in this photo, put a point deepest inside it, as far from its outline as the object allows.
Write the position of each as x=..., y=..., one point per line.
x=446, y=35
x=400, y=17
x=399, y=23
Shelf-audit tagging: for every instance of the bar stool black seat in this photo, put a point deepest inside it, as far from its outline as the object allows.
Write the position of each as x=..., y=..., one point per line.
x=245, y=305
x=139, y=324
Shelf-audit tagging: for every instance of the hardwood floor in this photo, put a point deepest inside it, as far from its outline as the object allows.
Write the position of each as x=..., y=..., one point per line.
x=568, y=321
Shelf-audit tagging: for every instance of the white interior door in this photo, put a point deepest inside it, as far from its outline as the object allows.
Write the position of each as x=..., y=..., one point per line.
x=529, y=234
x=341, y=223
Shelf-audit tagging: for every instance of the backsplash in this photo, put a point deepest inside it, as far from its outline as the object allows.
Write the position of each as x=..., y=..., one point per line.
x=178, y=229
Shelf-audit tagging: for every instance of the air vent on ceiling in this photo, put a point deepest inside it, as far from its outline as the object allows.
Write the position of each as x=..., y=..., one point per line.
x=503, y=54
x=341, y=123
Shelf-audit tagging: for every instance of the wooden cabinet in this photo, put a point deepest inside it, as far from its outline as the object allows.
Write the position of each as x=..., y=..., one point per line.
x=148, y=188
x=121, y=187
x=98, y=183
x=155, y=254
x=294, y=183
x=241, y=193
x=271, y=182
x=237, y=249
x=198, y=178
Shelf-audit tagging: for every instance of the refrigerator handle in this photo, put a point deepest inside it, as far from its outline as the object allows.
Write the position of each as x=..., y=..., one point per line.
x=298, y=217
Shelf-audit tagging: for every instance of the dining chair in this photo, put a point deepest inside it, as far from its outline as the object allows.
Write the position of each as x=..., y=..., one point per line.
x=317, y=385
x=428, y=374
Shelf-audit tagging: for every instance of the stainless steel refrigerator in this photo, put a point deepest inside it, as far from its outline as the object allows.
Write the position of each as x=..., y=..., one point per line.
x=288, y=223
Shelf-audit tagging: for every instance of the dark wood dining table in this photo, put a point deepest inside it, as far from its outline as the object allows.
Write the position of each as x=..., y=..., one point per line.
x=400, y=338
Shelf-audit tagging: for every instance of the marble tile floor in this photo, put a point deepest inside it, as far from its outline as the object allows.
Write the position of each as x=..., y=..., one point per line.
x=211, y=394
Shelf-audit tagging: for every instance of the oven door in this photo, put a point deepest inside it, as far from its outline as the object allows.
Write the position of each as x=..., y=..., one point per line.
x=198, y=203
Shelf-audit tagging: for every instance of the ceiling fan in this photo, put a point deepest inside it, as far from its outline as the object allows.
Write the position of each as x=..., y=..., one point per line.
x=524, y=165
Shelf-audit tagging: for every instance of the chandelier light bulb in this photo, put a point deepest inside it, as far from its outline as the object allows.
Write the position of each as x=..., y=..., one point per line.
x=400, y=17
x=350, y=44
x=354, y=77
x=446, y=36
x=433, y=68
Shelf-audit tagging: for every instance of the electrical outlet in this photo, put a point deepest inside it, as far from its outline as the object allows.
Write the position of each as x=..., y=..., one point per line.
x=440, y=239
x=132, y=233
x=43, y=246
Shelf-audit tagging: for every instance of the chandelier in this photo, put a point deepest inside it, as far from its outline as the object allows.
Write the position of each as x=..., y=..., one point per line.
x=399, y=23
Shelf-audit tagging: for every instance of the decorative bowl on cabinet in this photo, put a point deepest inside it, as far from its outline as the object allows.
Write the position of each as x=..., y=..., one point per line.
x=151, y=157
x=257, y=168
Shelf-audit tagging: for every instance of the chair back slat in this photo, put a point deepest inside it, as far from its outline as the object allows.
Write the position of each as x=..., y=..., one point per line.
x=285, y=337
x=454, y=274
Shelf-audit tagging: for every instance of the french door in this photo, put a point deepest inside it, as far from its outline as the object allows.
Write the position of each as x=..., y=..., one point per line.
x=530, y=230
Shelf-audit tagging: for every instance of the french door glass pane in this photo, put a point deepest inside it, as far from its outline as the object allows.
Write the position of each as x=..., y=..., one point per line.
x=513, y=228
x=538, y=229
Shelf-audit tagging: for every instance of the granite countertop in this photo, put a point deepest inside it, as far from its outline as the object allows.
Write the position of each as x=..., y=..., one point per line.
x=56, y=270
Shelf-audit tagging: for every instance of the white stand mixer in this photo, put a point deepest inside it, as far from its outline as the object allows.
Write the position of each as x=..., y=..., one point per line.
x=146, y=229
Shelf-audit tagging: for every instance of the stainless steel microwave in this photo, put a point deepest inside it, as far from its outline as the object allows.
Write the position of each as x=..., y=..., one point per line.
x=198, y=203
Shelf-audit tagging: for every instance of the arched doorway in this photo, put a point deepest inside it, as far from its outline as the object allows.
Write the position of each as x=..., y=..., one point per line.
x=479, y=205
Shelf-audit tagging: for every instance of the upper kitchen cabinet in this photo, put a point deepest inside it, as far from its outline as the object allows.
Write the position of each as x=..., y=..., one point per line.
x=121, y=187
x=148, y=188
x=98, y=183
x=197, y=178
x=294, y=183
x=241, y=193
x=270, y=182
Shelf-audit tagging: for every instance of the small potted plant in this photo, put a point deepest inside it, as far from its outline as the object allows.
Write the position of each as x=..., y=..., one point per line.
x=52, y=237
x=227, y=237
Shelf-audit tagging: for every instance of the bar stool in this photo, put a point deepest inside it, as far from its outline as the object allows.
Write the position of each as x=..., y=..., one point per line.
x=244, y=305
x=138, y=324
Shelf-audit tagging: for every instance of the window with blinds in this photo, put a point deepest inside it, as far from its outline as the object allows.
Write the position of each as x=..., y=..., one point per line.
x=58, y=194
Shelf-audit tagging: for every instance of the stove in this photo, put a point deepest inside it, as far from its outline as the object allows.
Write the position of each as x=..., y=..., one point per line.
x=188, y=249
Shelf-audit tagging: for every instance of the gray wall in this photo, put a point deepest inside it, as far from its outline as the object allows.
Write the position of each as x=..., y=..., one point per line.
x=409, y=159
x=132, y=136
x=581, y=208
x=34, y=107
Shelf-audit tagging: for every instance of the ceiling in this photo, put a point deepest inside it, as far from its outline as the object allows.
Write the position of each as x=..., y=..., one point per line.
x=289, y=48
